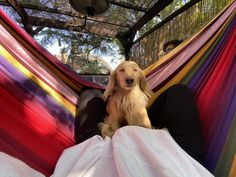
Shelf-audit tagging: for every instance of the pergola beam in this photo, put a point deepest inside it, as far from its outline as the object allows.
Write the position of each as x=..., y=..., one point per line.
x=127, y=38
x=58, y=24
x=128, y=6
x=169, y=18
x=70, y=14
x=24, y=17
x=154, y=10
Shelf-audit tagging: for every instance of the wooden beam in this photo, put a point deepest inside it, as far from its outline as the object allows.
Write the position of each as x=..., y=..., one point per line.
x=22, y=13
x=53, y=23
x=127, y=38
x=128, y=6
x=37, y=30
x=70, y=14
x=154, y=10
x=169, y=18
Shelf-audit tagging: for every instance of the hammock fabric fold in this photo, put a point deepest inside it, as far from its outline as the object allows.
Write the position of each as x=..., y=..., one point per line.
x=39, y=94
x=206, y=63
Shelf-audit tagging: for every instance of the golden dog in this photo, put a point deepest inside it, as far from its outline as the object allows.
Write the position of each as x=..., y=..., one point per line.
x=127, y=96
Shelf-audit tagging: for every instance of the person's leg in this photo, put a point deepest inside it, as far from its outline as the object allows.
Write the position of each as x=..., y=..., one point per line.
x=176, y=110
x=92, y=111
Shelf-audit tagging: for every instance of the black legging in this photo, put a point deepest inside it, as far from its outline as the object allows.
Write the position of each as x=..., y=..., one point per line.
x=174, y=109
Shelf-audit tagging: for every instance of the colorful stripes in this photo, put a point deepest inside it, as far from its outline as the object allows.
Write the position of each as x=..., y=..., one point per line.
x=39, y=95
x=64, y=73
x=28, y=130
x=38, y=105
x=39, y=98
x=207, y=64
x=31, y=76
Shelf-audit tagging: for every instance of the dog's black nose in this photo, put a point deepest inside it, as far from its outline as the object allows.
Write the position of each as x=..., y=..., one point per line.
x=129, y=81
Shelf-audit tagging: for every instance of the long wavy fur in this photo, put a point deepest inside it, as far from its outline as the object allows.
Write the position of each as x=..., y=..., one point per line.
x=126, y=105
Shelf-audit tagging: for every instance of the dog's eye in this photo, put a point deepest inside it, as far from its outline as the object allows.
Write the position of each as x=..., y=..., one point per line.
x=122, y=70
x=135, y=69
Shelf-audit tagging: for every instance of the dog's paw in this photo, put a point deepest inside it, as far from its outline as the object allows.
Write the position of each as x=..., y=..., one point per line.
x=148, y=125
x=106, y=129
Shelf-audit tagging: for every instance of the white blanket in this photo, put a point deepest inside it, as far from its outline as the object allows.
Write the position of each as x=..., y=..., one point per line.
x=132, y=152
x=12, y=167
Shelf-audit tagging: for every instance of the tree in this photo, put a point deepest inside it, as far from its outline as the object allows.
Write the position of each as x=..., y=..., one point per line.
x=78, y=45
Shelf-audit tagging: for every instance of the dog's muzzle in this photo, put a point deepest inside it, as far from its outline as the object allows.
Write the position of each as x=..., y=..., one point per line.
x=129, y=81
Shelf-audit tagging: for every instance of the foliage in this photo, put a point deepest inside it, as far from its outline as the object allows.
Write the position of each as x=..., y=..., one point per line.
x=80, y=47
x=75, y=44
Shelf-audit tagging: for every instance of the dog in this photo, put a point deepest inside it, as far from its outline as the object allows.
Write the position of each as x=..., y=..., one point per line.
x=127, y=96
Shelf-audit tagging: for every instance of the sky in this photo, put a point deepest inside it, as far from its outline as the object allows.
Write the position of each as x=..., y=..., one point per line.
x=55, y=50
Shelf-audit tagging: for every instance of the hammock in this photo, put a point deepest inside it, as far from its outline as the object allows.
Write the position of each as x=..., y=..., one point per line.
x=39, y=94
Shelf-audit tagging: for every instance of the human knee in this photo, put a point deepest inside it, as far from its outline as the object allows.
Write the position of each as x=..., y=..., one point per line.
x=87, y=95
x=179, y=91
x=179, y=88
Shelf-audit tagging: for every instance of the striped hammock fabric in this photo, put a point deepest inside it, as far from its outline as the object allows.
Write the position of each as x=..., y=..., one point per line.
x=38, y=97
x=207, y=64
x=39, y=94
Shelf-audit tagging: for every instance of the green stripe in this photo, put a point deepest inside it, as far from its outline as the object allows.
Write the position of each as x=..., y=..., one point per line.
x=227, y=156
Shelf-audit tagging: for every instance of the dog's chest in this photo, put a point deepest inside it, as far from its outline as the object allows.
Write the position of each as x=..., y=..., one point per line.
x=133, y=100
x=113, y=109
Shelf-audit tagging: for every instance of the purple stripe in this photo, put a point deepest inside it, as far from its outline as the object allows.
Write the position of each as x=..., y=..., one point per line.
x=223, y=117
x=203, y=73
x=222, y=112
x=35, y=92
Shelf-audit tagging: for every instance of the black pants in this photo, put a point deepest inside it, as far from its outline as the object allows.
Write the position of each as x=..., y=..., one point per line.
x=174, y=109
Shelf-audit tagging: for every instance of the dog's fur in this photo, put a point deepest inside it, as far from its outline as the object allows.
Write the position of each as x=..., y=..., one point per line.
x=127, y=96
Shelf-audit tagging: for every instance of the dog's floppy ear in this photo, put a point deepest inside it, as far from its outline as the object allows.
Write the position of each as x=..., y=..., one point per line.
x=110, y=89
x=143, y=85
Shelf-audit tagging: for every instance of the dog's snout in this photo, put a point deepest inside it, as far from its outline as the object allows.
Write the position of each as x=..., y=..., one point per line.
x=129, y=81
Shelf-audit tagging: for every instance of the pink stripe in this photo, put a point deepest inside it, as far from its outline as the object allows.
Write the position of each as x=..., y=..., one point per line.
x=36, y=67
x=70, y=74
x=164, y=72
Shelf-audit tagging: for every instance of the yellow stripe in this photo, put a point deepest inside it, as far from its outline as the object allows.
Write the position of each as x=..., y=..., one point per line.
x=62, y=101
x=75, y=85
x=178, y=77
x=232, y=172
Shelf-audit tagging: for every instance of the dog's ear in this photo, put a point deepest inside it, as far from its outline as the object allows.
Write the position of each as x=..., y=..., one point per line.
x=110, y=89
x=143, y=85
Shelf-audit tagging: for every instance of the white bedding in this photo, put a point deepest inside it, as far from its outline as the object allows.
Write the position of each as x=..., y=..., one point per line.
x=132, y=152
x=12, y=167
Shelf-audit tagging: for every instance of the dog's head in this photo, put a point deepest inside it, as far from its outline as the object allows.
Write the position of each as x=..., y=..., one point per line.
x=125, y=77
